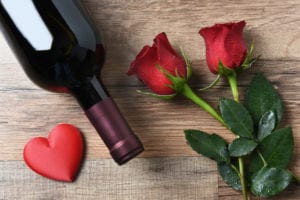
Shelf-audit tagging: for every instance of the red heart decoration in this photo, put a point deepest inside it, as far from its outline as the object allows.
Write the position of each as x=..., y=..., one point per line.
x=57, y=157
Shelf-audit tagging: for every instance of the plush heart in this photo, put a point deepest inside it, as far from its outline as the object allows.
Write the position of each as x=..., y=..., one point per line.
x=57, y=157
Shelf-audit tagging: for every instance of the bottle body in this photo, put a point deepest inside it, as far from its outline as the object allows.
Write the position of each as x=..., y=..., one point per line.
x=60, y=50
x=58, y=47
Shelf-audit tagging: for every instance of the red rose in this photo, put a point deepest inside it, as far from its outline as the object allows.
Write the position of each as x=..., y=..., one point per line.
x=224, y=42
x=146, y=63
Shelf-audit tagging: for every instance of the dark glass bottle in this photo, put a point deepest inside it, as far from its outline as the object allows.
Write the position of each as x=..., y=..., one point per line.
x=60, y=50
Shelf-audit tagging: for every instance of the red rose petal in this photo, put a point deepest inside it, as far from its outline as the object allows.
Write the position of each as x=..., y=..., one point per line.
x=224, y=42
x=145, y=65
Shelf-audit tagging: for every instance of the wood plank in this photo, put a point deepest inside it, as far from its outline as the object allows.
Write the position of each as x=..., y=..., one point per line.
x=127, y=26
x=155, y=178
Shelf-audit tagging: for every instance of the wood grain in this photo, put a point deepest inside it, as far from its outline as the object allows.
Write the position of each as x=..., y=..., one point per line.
x=155, y=178
x=28, y=111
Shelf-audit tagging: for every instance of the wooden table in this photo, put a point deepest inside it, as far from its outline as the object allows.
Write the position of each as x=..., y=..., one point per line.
x=168, y=169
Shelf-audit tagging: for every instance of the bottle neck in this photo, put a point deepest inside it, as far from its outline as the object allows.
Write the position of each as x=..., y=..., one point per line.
x=89, y=92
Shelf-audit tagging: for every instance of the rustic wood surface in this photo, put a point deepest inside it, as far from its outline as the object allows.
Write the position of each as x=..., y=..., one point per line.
x=168, y=169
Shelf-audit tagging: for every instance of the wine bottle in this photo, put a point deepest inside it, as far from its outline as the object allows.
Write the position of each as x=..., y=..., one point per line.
x=60, y=50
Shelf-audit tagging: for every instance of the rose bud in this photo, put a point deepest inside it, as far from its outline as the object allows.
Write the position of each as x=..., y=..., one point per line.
x=224, y=46
x=160, y=67
x=166, y=73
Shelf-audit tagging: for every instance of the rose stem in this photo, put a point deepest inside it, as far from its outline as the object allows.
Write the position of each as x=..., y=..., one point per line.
x=188, y=92
x=232, y=79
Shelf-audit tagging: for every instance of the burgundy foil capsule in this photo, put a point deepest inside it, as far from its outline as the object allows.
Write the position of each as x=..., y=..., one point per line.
x=122, y=143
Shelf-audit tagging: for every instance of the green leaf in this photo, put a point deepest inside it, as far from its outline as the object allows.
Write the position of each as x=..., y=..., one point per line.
x=266, y=125
x=237, y=118
x=262, y=97
x=230, y=175
x=212, y=146
x=277, y=148
x=270, y=181
x=255, y=163
x=241, y=147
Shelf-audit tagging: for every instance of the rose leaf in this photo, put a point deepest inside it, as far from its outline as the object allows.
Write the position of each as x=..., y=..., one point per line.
x=241, y=147
x=277, y=148
x=237, y=118
x=212, y=146
x=270, y=181
x=230, y=175
x=262, y=97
